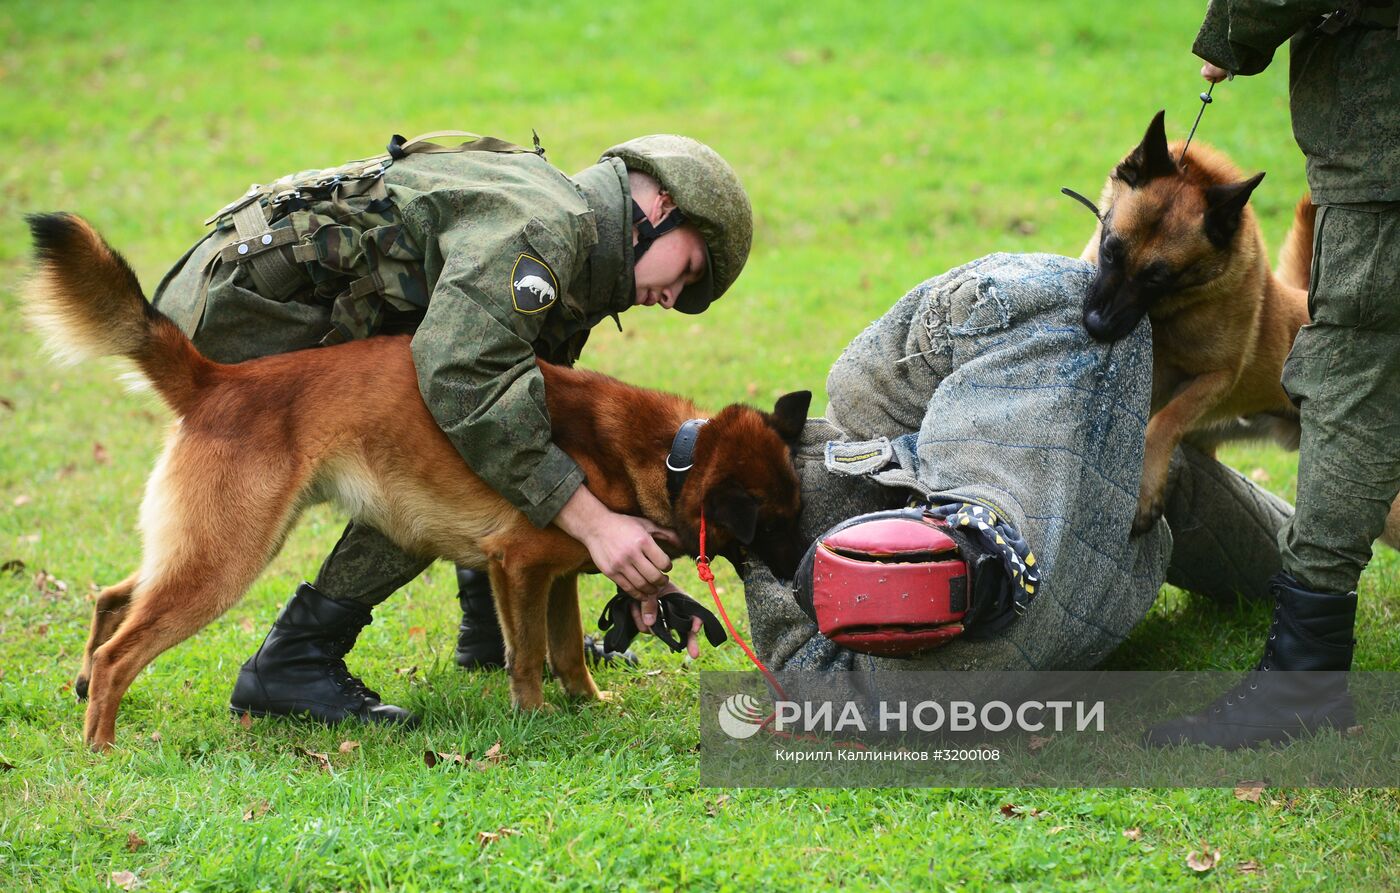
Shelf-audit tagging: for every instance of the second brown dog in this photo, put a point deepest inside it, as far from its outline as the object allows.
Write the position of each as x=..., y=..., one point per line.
x=1179, y=244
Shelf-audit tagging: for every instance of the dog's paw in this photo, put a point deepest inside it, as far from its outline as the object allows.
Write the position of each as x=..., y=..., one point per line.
x=533, y=705
x=1147, y=515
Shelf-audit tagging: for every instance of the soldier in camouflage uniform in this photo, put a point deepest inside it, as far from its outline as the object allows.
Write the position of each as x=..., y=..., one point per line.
x=491, y=257
x=1344, y=370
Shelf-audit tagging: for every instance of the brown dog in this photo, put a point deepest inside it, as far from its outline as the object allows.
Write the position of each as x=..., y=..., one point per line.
x=254, y=443
x=1179, y=244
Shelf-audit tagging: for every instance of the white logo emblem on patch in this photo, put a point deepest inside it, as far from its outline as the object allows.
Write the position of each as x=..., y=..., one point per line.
x=741, y=716
x=543, y=290
x=532, y=284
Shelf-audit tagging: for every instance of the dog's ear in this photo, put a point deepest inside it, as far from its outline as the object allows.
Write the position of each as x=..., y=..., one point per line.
x=732, y=507
x=1224, y=205
x=1151, y=159
x=790, y=415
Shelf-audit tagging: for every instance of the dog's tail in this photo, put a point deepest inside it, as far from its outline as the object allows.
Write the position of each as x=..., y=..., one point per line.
x=86, y=301
x=1295, y=260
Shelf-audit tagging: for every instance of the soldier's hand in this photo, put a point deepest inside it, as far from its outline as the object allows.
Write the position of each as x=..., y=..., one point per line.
x=624, y=548
x=644, y=613
x=1214, y=73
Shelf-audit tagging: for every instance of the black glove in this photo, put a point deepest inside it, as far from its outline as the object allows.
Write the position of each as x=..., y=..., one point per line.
x=672, y=624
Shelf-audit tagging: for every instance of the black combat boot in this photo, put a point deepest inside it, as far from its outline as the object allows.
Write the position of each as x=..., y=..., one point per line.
x=480, y=644
x=300, y=668
x=1299, y=686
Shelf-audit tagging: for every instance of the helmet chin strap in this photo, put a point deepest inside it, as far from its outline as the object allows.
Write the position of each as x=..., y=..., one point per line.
x=648, y=232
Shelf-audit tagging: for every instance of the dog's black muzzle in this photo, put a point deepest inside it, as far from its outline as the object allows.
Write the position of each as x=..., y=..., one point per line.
x=1113, y=308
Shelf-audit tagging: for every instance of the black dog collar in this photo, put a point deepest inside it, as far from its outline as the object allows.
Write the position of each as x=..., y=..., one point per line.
x=682, y=456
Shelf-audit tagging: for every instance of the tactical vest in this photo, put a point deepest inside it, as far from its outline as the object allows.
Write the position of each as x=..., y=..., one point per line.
x=335, y=236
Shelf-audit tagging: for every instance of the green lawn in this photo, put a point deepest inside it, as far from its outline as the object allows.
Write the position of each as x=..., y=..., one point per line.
x=882, y=143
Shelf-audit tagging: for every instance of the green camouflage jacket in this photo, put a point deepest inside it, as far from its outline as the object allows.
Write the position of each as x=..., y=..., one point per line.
x=1344, y=84
x=520, y=260
x=490, y=258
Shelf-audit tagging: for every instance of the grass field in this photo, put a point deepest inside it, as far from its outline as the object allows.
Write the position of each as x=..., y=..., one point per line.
x=882, y=143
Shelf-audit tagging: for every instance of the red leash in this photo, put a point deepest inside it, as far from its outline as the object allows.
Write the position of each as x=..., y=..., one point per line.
x=702, y=568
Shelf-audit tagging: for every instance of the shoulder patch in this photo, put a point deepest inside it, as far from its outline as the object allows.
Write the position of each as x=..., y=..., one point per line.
x=533, y=286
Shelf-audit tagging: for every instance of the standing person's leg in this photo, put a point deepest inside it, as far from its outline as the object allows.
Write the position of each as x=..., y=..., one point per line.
x=1344, y=375
x=300, y=666
x=480, y=645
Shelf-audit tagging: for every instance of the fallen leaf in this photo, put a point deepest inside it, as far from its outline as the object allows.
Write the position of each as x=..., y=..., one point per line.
x=433, y=757
x=320, y=759
x=653, y=673
x=67, y=471
x=1037, y=742
x=100, y=454
x=1203, y=861
x=1022, y=226
x=6, y=766
x=14, y=567
x=415, y=631
x=245, y=720
x=1132, y=833
x=406, y=671
x=246, y=624
x=485, y=838
x=493, y=753
x=1020, y=812
x=1355, y=731
x=1259, y=476
x=1250, y=867
x=23, y=499
x=1249, y=791
x=712, y=808
x=347, y=746
x=29, y=538
x=7, y=403
x=124, y=879
x=47, y=584
x=1057, y=829
x=134, y=842
x=256, y=811
x=155, y=736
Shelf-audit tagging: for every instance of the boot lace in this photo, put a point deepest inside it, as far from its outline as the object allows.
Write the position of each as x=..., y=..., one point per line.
x=340, y=674
x=1250, y=682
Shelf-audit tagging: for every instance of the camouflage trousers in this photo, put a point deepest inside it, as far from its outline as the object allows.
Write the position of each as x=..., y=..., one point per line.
x=216, y=305
x=1344, y=376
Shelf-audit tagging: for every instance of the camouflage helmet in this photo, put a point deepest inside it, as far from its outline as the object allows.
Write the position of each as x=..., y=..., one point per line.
x=705, y=189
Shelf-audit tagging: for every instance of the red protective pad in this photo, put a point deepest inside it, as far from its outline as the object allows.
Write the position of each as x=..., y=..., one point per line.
x=890, y=586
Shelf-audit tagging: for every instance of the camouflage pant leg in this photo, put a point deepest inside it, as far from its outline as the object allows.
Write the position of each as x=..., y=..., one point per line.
x=216, y=305
x=1224, y=529
x=1344, y=375
x=365, y=567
